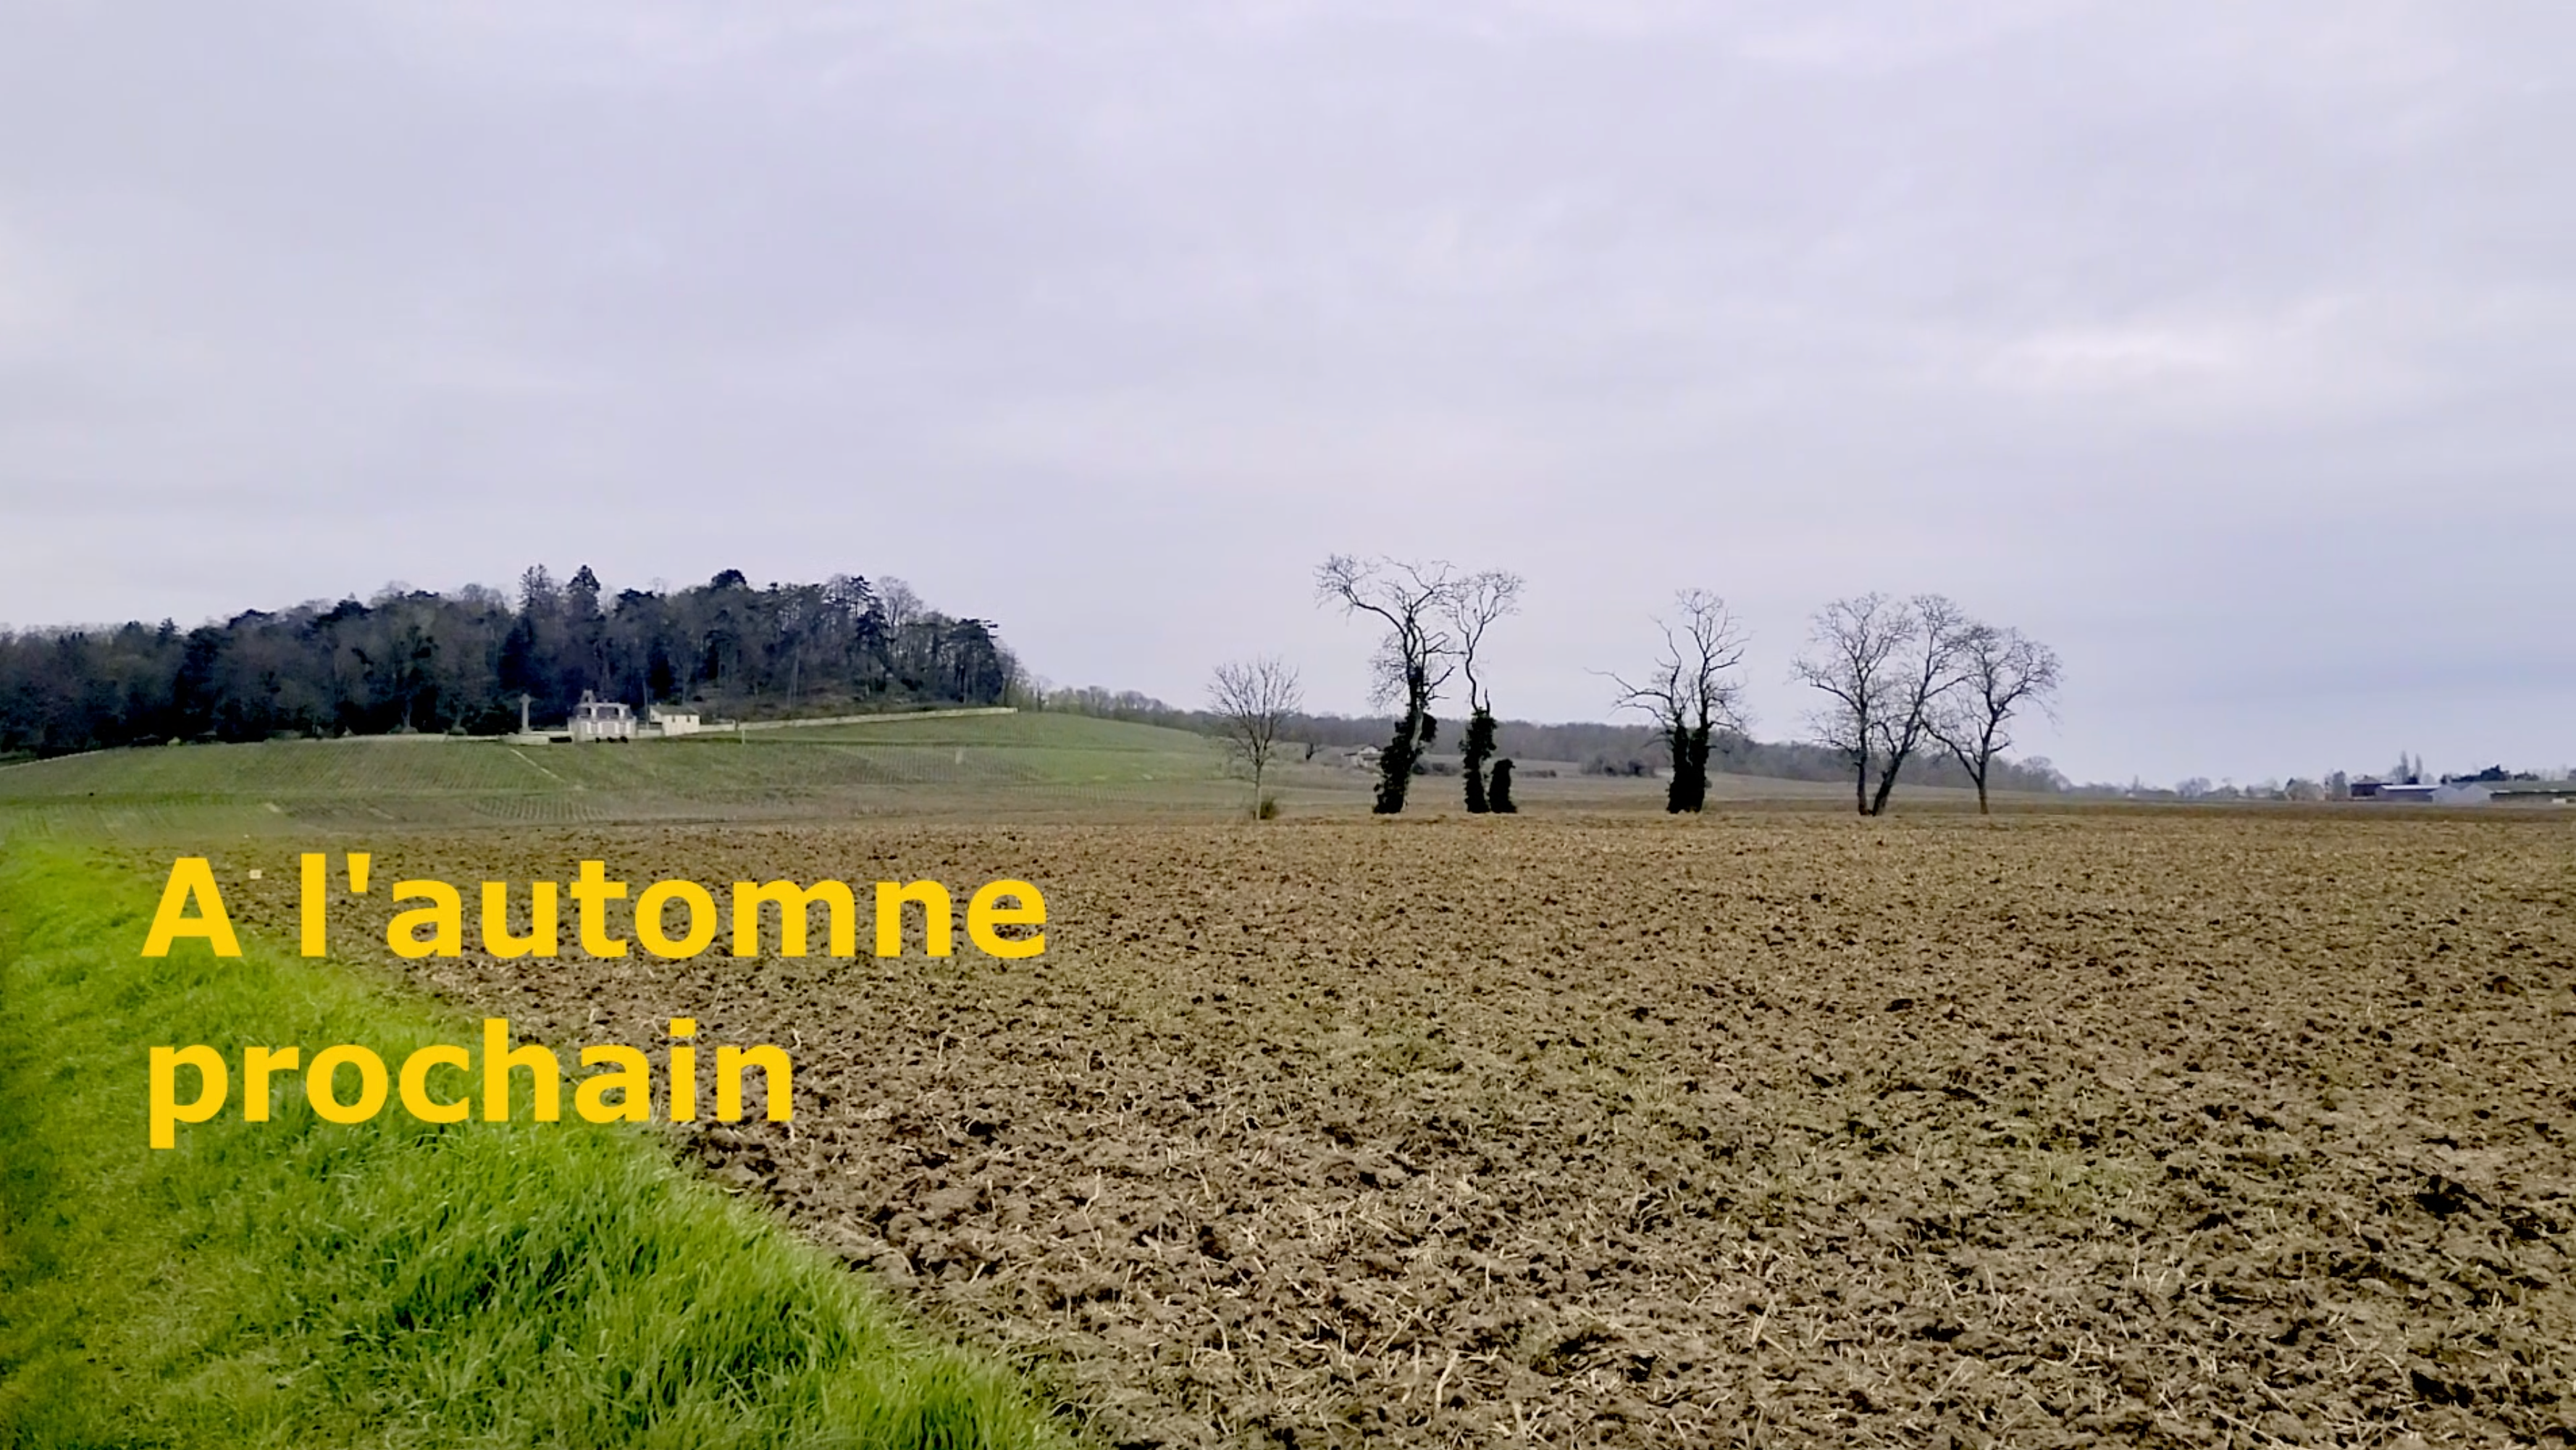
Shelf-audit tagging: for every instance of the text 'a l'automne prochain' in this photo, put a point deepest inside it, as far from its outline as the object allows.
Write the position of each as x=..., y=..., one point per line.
x=1002, y=919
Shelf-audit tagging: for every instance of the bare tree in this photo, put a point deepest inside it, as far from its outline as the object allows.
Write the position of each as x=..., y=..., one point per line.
x=1930, y=668
x=1851, y=646
x=1252, y=702
x=1413, y=661
x=1689, y=693
x=2000, y=670
x=1471, y=607
x=1881, y=664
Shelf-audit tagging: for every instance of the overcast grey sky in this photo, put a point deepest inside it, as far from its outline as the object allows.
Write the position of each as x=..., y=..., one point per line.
x=2229, y=348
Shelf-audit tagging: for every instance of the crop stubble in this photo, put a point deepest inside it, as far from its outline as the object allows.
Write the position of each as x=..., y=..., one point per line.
x=2183, y=1130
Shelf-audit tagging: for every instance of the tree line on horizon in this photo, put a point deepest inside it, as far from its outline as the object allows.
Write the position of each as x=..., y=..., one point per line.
x=1904, y=682
x=1591, y=747
x=420, y=661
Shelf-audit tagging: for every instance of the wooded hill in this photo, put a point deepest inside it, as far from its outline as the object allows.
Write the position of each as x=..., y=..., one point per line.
x=414, y=660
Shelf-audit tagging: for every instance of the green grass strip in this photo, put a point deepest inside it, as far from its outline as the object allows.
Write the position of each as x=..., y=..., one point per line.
x=389, y=1283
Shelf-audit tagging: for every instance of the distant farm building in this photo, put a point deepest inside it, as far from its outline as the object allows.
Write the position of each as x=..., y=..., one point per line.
x=658, y=721
x=2557, y=792
x=2452, y=793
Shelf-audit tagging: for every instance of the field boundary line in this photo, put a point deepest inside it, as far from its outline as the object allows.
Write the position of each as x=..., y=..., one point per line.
x=532, y=765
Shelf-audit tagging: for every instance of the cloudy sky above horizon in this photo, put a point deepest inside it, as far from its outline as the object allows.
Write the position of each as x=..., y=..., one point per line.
x=2228, y=349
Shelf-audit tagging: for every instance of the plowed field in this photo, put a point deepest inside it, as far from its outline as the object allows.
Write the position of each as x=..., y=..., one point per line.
x=2172, y=1129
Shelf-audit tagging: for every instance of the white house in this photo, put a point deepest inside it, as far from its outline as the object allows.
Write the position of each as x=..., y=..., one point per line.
x=597, y=719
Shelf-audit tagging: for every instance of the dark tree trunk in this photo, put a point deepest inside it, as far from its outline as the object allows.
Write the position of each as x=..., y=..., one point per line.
x=1886, y=785
x=1699, y=767
x=1689, y=788
x=1677, y=752
x=1477, y=747
x=1395, y=767
x=1414, y=731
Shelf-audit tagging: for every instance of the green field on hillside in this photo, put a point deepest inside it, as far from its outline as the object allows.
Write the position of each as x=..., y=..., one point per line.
x=969, y=765
x=995, y=766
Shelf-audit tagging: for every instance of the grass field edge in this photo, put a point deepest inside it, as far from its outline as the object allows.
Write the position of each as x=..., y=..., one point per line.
x=389, y=1282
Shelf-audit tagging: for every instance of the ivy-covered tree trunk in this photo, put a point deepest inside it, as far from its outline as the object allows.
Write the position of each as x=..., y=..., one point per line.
x=1688, y=790
x=1699, y=767
x=1498, y=798
x=1395, y=768
x=1412, y=733
x=1477, y=747
x=1676, y=789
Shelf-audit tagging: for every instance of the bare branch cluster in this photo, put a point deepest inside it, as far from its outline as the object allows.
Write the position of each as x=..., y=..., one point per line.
x=1473, y=603
x=1416, y=656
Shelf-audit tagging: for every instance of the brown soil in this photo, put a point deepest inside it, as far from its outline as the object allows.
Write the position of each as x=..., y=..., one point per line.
x=2176, y=1130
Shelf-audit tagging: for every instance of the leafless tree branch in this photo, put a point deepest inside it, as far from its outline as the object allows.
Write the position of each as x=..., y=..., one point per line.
x=1471, y=605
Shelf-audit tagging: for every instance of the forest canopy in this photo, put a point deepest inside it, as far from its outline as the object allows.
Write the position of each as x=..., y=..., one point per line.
x=418, y=661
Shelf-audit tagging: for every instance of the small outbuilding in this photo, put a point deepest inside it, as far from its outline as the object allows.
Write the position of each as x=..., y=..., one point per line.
x=658, y=721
